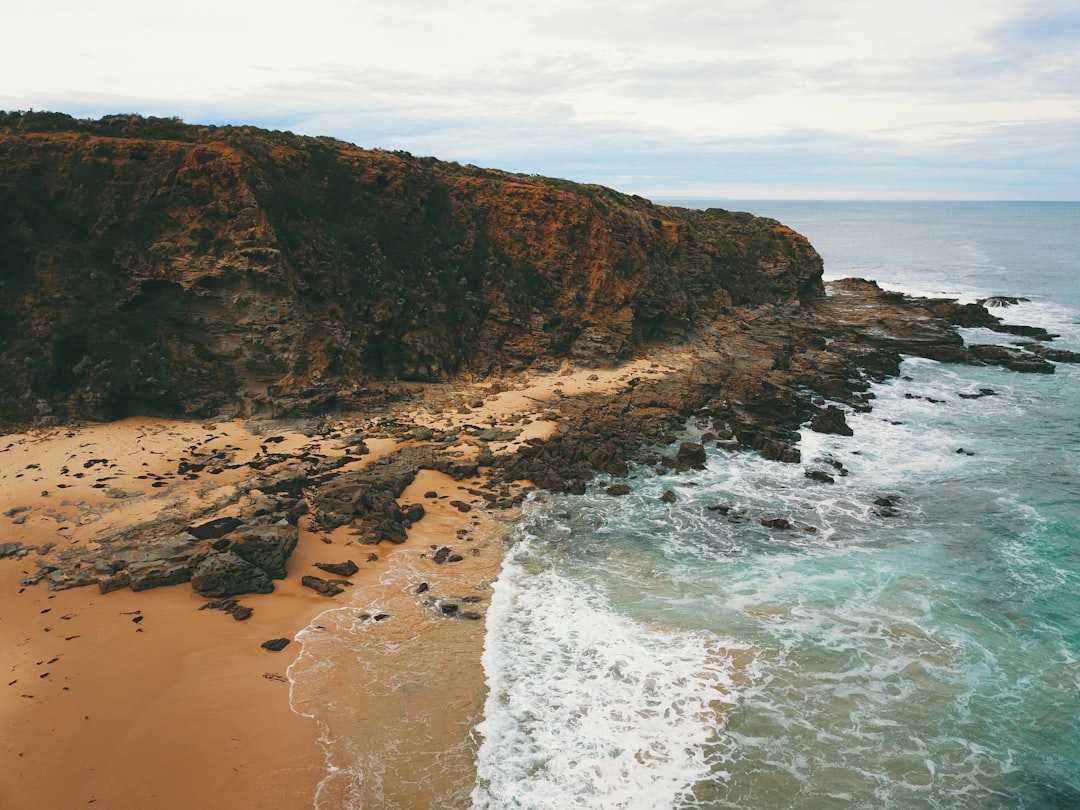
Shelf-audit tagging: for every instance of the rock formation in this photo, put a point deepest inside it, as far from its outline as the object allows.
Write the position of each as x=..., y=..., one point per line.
x=155, y=268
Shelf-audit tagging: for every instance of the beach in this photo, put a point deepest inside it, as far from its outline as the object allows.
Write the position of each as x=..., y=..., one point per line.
x=147, y=699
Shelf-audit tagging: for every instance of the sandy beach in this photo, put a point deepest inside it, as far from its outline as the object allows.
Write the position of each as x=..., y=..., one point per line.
x=142, y=699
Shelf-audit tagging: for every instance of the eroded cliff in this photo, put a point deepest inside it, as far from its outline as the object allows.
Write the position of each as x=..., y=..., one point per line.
x=158, y=268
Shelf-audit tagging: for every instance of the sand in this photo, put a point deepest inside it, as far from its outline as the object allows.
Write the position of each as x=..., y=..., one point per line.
x=125, y=700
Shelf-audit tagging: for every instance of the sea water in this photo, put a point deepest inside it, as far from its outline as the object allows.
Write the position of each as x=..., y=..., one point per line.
x=911, y=641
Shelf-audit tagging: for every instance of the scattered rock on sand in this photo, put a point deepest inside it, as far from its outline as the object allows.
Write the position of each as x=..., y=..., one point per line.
x=341, y=569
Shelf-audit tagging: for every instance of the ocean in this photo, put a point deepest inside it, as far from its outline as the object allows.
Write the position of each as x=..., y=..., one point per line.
x=913, y=641
x=641, y=654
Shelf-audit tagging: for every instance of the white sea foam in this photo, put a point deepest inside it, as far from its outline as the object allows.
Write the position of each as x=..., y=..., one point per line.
x=588, y=708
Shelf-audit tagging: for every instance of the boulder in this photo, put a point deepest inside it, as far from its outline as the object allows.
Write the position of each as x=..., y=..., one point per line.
x=267, y=547
x=226, y=574
x=327, y=587
x=831, y=420
x=691, y=456
x=341, y=569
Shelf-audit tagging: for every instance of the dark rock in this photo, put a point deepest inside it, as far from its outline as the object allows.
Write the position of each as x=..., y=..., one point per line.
x=327, y=587
x=241, y=612
x=341, y=569
x=414, y=512
x=10, y=549
x=820, y=475
x=227, y=574
x=776, y=523
x=887, y=505
x=1011, y=358
x=831, y=420
x=461, y=506
x=1001, y=301
x=691, y=456
x=218, y=527
x=449, y=608
x=619, y=489
x=266, y=547
x=441, y=555
x=669, y=497
x=276, y=644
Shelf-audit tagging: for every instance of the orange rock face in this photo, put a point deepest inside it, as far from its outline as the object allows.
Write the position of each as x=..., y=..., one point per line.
x=154, y=267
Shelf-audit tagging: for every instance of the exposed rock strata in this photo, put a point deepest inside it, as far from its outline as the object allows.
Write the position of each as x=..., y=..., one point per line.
x=159, y=268
x=164, y=269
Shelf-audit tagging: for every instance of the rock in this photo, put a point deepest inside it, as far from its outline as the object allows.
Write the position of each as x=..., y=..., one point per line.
x=218, y=527
x=1011, y=358
x=691, y=456
x=275, y=644
x=267, y=547
x=619, y=489
x=820, y=475
x=887, y=505
x=669, y=497
x=341, y=569
x=327, y=587
x=461, y=506
x=227, y=574
x=414, y=512
x=776, y=523
x=10, y=549
x=831, y=420
x=1001, y=301
x=441, y=555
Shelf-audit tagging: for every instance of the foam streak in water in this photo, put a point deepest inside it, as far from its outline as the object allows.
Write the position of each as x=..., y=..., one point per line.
x=588, y=708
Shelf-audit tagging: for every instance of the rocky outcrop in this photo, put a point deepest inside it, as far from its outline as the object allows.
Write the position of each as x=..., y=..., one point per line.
x=154, y=267
x=157, y=268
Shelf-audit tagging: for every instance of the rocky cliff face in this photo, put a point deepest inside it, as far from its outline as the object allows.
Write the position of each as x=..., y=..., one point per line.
x=152, y=267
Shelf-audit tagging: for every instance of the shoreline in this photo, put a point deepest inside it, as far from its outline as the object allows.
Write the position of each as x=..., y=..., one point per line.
x=121, y=697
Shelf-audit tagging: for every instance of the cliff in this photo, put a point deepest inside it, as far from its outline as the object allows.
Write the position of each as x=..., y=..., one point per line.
x=154, y=268
x=157, y=268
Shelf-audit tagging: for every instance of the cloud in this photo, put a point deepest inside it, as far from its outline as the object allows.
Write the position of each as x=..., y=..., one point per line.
x=647, y=92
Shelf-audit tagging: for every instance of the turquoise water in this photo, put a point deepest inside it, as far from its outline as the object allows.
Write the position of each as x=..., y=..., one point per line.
x=642, y=654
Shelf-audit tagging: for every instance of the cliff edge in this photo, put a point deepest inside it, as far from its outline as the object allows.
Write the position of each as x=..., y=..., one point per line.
x=152, y=267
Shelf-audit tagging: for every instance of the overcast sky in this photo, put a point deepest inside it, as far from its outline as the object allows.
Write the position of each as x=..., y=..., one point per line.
x=731, y=99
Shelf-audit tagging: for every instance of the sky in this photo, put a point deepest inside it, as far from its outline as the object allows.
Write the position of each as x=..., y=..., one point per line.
x=726, y=99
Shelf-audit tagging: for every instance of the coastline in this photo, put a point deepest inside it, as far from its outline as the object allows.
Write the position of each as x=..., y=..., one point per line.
x=121, y=697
